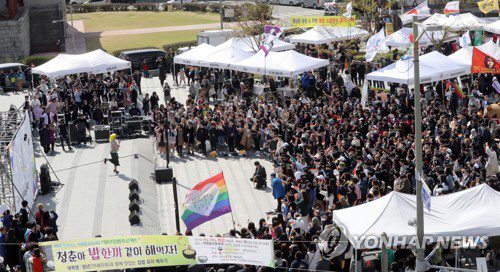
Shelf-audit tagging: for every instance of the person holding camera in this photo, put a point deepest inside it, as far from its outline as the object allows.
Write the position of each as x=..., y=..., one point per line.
x=259, y=176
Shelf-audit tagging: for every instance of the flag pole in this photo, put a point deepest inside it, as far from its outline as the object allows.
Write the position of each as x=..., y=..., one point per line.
x=176, y=206
x=229, y=200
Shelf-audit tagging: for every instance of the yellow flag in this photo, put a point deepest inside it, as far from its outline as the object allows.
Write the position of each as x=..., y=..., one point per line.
x=487, y=6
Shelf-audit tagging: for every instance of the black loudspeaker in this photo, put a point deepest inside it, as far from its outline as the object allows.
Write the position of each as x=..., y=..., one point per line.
x=133, y=185
x=133, y=218
x=163, y=174
x=73, y=133
x=101, y=133
x=45, y=180
x=133, y=206
x=134, y=195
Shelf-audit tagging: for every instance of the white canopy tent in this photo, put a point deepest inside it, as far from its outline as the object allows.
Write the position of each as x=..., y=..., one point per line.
x=287, y=64
x=401, y=38
x=95, y=62
x=249, y=44
x=225, y=54
x=434, y=66
x=193, y=56
x=472, y=212
x=464, y=55
x=493, y=27
x=461, y=22
x=323, y=35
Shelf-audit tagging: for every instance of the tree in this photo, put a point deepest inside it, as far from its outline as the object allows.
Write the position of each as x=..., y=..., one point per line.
x=251, y=19
x=370, y=12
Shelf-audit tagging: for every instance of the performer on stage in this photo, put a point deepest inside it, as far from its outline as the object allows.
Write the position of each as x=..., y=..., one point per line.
x=114, y=147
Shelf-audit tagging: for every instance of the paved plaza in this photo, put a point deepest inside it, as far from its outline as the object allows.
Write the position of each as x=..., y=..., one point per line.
x=94, y=201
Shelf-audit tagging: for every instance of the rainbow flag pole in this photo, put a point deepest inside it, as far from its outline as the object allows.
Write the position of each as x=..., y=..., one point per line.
x=207, y=200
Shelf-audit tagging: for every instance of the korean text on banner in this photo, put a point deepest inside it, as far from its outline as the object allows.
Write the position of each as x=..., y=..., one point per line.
x=22, y=164
x=151, y=251
x=312, y=21
x=452, y=7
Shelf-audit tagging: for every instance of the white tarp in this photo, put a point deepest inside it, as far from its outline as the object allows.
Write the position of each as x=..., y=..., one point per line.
x=249, y=44
x=493, y=27
x=464, y=55
x=287, y=64
x=22, y=165
x=472, y=212
x=461, y=22
x=434, y=66
x=193, y=56
x=95, y=62
x=401, y=38
x=225, y=54
x=324, y=34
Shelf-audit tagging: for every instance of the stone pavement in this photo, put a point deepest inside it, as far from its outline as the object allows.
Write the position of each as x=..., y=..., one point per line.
x=247, y=203
x=94, y=201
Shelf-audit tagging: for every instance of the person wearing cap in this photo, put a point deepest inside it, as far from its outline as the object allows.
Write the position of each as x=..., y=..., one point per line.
x=279, y=191
x=114, y=147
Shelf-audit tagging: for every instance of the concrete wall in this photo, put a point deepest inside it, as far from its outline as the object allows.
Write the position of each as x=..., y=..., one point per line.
x=47, y=36
x=15, y=38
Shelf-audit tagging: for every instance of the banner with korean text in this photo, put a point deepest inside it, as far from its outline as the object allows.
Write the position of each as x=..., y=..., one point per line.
x=312, y=21
x=153, y=251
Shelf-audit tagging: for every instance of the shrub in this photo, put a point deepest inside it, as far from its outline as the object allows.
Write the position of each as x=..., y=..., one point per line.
x=201, y=7
x=116, y=53
x=87, y=8
x=172, y=47
x=214, y=7
x=37, y=60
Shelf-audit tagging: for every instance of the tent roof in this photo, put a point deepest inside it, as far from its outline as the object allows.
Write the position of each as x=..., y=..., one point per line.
x=323, y=34
x=493, y=27
x=287, y=64
x=461, y=22
x=472, y=212
x=193, y=56
x=401, y=38
x=225, y=54
x=248, y=44
x=434, y=66
x=464, y=55
x=96, y=62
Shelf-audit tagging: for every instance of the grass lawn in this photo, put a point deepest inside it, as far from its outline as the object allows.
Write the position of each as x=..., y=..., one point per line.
x=113, y=43
x=103, y=21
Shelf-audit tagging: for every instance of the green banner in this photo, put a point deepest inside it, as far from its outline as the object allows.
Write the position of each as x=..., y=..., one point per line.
x=478, y=37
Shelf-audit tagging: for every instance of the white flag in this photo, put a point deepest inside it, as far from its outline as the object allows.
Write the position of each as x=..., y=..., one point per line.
x=421, y=11
x=375, y=44
x=364, y=95
x=348, y=12
x=452, y=8
x=465, y=40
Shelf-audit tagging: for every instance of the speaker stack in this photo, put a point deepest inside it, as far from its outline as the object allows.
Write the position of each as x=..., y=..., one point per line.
x=133, y=207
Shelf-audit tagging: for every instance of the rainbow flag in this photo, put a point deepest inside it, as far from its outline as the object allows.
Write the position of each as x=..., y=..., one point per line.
x=205, y=201
x=458, y=91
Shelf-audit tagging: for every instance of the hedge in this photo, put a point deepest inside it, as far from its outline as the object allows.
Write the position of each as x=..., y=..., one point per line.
x=197, y=7
x=166, y=47
x=37, y=60
x=172, y=47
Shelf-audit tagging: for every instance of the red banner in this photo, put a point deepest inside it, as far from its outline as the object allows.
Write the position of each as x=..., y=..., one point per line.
x=483, y=63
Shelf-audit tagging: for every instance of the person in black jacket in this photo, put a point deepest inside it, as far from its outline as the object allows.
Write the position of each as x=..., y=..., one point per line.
x=190, y=134
x=231, y=137
x=81, y=126
x=63, y=134
x=259, y=176
x=212, y=133
x=202, y=137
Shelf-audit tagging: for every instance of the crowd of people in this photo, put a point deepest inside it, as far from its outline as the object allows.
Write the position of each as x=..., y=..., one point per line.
x=329, y=150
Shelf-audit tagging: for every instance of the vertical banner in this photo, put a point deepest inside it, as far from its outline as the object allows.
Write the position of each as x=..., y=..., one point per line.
x=22, y=165
x=478, y=37
x=152, y=251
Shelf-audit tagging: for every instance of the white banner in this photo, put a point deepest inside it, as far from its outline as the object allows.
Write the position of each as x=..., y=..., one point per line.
x=22, y=165
x=452, y=8
x=348, y=13
x=421, y=11
x=375, y=43
x=465, y=40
